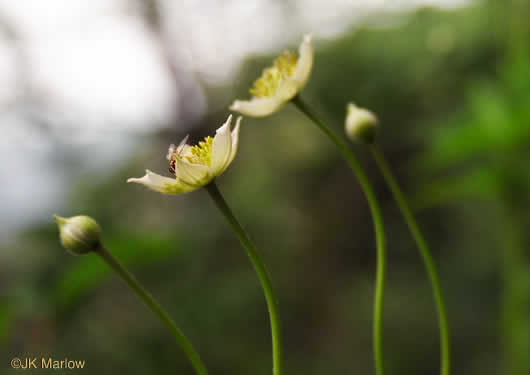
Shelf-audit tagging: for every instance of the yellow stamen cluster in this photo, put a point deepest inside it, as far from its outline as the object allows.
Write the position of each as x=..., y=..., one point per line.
x=201, y=153
x=286, y=63
x=283, y=67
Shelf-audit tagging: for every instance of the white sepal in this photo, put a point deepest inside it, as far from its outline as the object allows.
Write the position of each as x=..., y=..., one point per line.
x=221, y=148
x=162, y=184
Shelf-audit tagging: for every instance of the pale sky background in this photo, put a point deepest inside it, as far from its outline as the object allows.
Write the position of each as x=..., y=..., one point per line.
x=78, y=75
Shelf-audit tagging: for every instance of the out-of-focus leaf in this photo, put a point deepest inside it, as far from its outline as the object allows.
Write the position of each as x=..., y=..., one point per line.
x=481, y=183
x=5, y=318
x=90, y=271
x=496, y=120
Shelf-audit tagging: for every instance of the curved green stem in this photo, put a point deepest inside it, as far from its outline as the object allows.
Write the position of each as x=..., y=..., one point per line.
x=378, y=227
x=425, y=253
x=515, y=298
x=149, y=300
x=262, y=272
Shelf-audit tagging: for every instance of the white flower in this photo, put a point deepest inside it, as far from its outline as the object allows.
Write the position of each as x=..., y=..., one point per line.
x=195, y=166
x=279, y=83
x=360, y=124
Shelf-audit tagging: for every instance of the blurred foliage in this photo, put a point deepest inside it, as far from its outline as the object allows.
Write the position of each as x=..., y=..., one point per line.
x=482, y=152
x=492, y=130
x=88, y=273
x=453, y=99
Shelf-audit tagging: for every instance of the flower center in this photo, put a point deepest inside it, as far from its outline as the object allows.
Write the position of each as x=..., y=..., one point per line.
x=283, y=67
x=201, y=153
x=198, y=154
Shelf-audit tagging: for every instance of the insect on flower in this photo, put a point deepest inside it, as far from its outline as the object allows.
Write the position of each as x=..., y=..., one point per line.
x=174, y=152
x=195, y=166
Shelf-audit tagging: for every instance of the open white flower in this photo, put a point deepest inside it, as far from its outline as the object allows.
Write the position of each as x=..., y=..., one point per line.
x=279, y=83
x=195, y=166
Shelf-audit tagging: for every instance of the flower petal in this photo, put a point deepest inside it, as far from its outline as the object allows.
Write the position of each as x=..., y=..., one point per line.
x=305, y=62
x=287, y=89
x=235, y=141
x=190, y=173
x=221, y=148
x=257, y=107
x=162, y=184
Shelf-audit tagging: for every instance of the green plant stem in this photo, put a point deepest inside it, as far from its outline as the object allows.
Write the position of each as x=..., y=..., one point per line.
x=515, y=301
x=149, y=300
x=425, y=254
x=515, y=298
x=262, y=272
x=378, y=227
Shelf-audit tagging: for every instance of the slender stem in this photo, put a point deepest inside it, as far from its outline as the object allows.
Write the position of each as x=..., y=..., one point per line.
x=378, y=227
x=262, y=272
x=149, y=300
x=515, y=299
x=515, y=302
x=425, y=253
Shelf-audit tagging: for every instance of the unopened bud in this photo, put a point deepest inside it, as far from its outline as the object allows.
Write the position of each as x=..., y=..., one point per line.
x=79, y=234
x=360, y=124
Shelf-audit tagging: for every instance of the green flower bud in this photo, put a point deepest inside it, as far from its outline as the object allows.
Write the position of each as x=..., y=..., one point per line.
x=360, y=124
x=79, y=234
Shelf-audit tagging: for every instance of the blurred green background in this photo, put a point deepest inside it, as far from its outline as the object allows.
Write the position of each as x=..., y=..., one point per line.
x=452, y=91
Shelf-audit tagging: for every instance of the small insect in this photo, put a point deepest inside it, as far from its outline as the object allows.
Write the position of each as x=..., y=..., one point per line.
x=175, y=152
